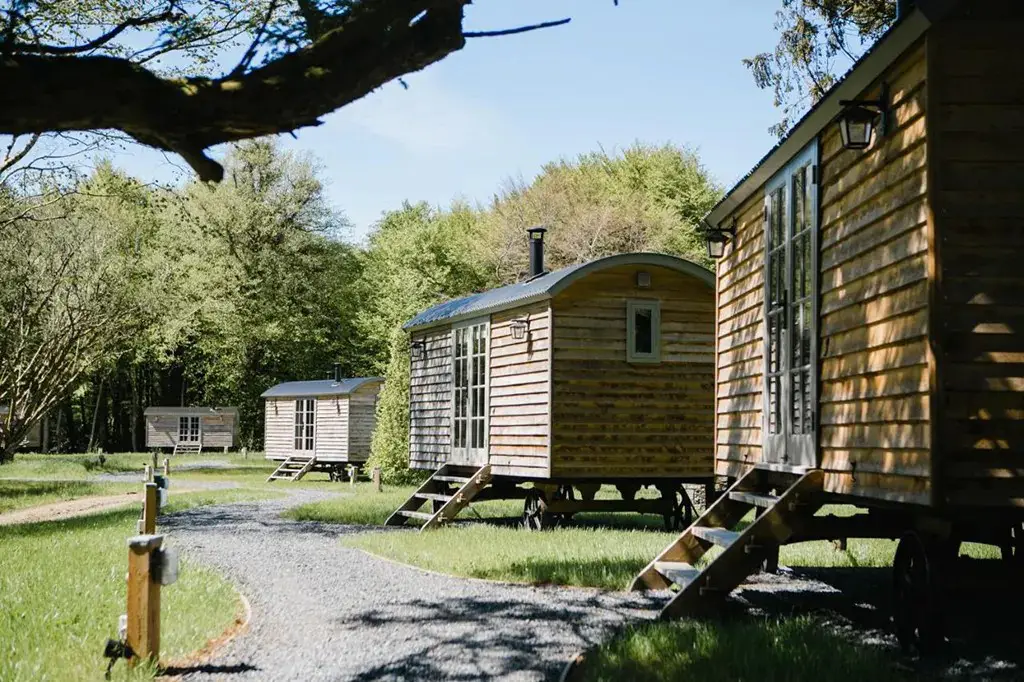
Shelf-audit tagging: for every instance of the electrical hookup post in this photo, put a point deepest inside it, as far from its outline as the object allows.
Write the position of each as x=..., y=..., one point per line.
x=151, y=565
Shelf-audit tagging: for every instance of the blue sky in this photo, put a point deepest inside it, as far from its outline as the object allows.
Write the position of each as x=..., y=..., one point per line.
x=650, y=70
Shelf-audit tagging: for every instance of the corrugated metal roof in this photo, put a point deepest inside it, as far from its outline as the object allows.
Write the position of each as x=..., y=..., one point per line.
x=873, y=62
x=160, y=409
x=304, y=389
x=546, y=286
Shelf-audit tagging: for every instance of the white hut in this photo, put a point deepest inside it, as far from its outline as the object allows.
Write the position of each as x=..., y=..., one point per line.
x=191, y=429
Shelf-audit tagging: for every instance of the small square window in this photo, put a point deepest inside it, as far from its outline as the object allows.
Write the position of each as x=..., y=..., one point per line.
x=643, y=331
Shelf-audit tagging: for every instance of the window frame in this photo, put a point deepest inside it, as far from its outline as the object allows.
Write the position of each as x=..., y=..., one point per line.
x=308, y=408
x=468, y=454
x=185, y=436
x=654, y=306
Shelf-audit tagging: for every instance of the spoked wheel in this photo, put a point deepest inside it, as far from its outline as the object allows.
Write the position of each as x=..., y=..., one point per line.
x=678, y=512
x=917, y=595
x=565, y=492
x=534, y=516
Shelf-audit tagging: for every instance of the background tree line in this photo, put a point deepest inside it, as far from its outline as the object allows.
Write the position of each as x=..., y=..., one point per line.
x=118, y=295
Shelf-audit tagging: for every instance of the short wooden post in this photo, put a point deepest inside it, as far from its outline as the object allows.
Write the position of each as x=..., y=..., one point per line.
x=147, y=474
x=771, y=561
x=351, y=476
x=149, y=508
x=167, y=467
x=154, y=456
x=376, y=480
x=143, y=635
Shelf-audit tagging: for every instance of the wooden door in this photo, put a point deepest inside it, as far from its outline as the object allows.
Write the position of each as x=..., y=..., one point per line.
x=791, y=267
x=189, y=430
x=469, y=394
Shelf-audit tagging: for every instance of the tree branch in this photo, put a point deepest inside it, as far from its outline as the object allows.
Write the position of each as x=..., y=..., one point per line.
x=520, y=29
x=55, y=93
x=134, y=22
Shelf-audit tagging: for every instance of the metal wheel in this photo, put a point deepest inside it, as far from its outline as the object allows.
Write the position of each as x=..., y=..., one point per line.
x=917, y=608
x=678, y=512
x=534, y=516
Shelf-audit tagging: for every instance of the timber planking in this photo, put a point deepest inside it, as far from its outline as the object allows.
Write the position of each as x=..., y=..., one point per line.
x=430, y=400
x=611, y=418
x=978, y=123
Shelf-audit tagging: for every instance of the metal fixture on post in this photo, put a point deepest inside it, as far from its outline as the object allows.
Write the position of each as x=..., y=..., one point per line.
x=520, y=327
x=717, y=238
x=860, y=118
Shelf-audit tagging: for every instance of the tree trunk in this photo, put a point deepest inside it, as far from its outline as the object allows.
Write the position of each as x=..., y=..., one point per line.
x=95, y=415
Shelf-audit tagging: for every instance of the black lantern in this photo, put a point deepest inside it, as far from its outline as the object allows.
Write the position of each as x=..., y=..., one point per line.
x=859, y=118
x=418, y=348
x=519, y=328
x=717, y=238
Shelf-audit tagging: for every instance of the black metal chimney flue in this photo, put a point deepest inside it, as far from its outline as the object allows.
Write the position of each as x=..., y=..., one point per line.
x=903, y=8
x=337, y=372
x=536, y=250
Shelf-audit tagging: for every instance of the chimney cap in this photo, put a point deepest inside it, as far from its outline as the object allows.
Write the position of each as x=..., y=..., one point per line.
x=537, y=229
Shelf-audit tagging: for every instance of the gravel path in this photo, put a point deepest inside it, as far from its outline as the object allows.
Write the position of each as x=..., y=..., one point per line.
x=321, y=611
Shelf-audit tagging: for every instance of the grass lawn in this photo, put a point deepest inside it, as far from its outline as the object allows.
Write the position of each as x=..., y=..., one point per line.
x=790, y=650
x=62, y=589
x=31, y=465
x=21, y=494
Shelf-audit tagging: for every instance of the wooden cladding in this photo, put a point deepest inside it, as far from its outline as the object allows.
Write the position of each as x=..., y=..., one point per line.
x=977, y=124
x=430, y=400
x=614, y=418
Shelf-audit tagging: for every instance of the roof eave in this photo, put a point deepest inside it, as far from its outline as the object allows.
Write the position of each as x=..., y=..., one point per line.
x=482, y=312
x=824, y=113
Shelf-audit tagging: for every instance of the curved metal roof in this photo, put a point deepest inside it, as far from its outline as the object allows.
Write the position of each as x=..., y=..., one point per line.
x=310, y=389
x=176, y=410
x=545, y=286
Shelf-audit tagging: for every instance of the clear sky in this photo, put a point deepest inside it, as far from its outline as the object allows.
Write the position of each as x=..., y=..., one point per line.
x=650, y=70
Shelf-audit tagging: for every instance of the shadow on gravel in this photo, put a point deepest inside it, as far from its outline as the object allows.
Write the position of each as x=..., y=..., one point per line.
x=209, y=669
x=473, y=638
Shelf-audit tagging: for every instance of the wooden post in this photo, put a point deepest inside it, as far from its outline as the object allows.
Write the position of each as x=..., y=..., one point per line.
x=154, y=461
x=167, y=467
x=376, y=480
x=149, y=508
x=148, y=473
x=351, y=476
x=143, y=636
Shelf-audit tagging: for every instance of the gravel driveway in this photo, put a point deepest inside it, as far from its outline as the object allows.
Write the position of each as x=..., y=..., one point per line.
x=321, y=611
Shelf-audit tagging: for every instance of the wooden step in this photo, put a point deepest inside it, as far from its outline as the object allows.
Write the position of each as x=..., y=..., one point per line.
x=451, y=479
x=433, y=496
x=717, y=536
x=678, y=572
x=422, y=516
x=756, y=499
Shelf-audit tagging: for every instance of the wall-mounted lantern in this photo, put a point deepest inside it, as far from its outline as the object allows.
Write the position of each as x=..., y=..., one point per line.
x=643, y=280
x=418, y=348
x=519, y=328
x=717, y=238
x=859, y=118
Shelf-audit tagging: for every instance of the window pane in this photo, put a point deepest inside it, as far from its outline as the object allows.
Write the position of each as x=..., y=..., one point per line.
x=643, y=337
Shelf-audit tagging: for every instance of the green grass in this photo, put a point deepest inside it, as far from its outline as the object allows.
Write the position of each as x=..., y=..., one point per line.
x=21, y=494
x=62, y=589
x=790, y=650
x=84, y=466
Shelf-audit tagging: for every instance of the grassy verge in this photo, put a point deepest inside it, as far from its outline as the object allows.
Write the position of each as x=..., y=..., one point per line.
x=84, y=466
x=21, y=494
x=62, y=589
x=793, y=650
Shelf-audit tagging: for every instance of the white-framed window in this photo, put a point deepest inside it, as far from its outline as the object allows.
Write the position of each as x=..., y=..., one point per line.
x=188, y=429
x=643, y=331
x=305, y=423
x=469, y=397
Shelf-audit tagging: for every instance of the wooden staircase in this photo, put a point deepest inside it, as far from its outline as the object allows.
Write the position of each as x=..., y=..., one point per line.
x=292, y=469
x=191, y=447
x=448, y=491
x=783, y=502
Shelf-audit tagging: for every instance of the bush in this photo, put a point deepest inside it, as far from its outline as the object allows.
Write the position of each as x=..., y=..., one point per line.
x=390, y=447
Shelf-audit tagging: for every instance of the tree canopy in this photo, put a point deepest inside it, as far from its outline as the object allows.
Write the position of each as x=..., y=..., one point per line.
x=816, y=37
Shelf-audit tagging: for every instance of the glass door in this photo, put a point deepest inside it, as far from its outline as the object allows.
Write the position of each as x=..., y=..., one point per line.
x=791, y=266
x=188, y=430
x=469, y=395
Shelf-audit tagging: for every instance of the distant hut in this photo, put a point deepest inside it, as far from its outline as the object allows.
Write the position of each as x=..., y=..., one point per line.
x=188, y=430
x=38, y=434
x=322, y=425
x=599, y=373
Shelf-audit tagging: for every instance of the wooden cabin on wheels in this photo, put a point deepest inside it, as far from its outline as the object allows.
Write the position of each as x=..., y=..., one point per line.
x=323, y=425
x=600, y=373
x=871, y=322
x=38, y=435
x=188, y=430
